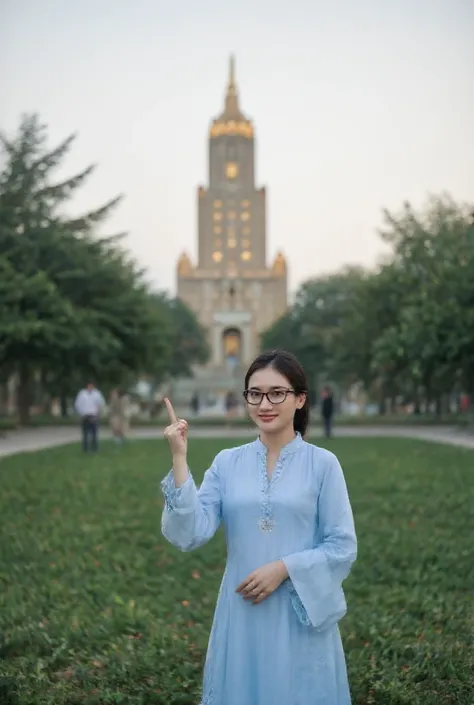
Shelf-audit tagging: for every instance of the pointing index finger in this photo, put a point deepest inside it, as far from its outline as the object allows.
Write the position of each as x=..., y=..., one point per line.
x=170, y=410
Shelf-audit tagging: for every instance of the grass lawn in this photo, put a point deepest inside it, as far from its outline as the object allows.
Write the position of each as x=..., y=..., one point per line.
x=95, y=607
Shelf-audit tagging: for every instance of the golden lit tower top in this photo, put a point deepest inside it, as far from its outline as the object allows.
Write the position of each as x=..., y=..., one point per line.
x=231, y=121
x=279, y=265
x=185, y=267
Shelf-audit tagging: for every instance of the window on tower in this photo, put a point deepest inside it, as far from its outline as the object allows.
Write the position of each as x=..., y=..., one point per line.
x=231, y=238
x=245, y=216
x=246, y=255
x=217, y=230
x=217, y=216
x=217, y=204
x=217, y=256
x=231, y=170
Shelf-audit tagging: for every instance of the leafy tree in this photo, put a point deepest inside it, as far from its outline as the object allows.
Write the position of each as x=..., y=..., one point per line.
x=73, y=306
x=187, y=336
x=37, y=321
x=406, y=328
x=430, y=341
x=311, y=329
x=373, y=306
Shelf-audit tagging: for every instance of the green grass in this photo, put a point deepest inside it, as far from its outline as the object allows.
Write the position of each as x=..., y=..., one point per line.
x=95, y=607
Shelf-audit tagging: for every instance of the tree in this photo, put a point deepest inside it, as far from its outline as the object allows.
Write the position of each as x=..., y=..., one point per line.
x=430, y=341
x=406, y=328
x=372, y=307
x=311, y=329
x=41, y=321
x=73, y=306
x=187, y=336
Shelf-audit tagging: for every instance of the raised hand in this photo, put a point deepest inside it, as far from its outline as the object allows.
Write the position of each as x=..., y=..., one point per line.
x=263, y=581
x=176, y=433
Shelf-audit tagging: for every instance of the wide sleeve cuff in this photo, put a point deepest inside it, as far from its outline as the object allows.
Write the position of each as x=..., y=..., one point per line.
x=178, y=499
x=297, y=605
x=321, y=597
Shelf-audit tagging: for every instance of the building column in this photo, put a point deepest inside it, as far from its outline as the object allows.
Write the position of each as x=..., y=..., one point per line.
x=216, y=344
x=247, y=347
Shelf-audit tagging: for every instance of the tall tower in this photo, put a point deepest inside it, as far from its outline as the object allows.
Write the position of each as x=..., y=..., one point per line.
x=233, y=292
x=231, y=221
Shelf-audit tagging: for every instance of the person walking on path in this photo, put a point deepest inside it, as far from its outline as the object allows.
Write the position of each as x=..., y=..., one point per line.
x=291, y=543
x=89, y=405
x=119, y=415
x=327, y=410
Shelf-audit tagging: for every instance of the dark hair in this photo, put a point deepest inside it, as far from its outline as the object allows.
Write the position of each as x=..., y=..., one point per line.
x=287, y=365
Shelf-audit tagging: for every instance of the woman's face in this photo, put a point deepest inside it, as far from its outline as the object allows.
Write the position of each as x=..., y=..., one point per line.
x=275, y=414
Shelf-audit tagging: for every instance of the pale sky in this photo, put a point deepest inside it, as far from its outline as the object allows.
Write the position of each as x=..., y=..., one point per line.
x=357, y=106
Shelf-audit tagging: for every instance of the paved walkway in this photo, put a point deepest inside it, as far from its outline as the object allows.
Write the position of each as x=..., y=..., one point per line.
x=30, y=440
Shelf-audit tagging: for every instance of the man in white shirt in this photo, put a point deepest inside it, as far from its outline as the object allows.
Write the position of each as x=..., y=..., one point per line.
x=89, y=404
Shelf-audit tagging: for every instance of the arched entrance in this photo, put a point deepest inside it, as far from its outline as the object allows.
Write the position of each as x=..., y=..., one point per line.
x=232, y=346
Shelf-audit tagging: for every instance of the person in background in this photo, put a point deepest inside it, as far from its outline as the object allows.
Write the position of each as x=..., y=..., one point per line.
x=231, y=404
x=119, y=415
x=127, y=409
x=89, y=405
x=194, y=404
x=327, y=410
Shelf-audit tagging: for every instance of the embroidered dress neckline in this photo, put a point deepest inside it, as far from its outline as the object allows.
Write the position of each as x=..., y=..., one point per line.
x=290, y=447
x=267, y=518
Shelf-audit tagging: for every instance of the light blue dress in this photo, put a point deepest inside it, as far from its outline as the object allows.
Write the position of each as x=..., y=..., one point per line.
x=286, y=650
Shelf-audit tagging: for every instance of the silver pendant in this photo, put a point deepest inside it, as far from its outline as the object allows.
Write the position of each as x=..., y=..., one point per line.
x=266, y=525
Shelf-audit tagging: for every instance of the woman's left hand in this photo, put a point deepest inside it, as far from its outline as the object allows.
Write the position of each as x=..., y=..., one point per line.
x=263, y=581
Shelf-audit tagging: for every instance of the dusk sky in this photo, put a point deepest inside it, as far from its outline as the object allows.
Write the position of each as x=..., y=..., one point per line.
x=357, y=106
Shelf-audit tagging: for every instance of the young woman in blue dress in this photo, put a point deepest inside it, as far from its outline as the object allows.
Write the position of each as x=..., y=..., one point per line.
x=291, y=543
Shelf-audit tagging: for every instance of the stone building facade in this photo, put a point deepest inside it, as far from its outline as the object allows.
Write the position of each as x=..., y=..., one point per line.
x=231, y=288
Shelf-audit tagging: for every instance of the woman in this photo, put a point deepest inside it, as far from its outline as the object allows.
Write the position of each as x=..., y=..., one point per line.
x=119, y=414
x=290, y=543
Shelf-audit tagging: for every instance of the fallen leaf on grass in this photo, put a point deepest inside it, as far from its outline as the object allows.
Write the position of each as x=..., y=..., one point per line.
x=65, y=674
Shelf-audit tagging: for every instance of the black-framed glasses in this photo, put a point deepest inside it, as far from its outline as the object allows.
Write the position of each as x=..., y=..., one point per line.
x=274, y=396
